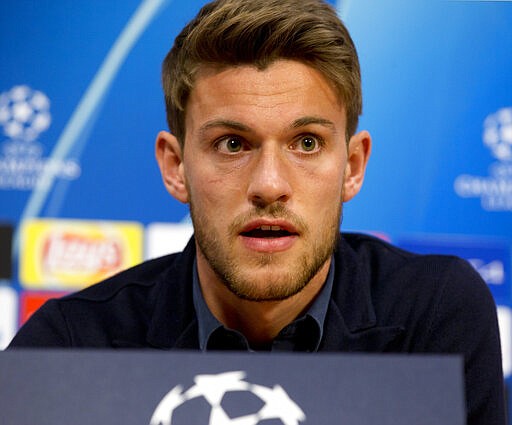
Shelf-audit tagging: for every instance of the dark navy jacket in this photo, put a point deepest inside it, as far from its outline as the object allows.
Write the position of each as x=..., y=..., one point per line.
x=383, y=300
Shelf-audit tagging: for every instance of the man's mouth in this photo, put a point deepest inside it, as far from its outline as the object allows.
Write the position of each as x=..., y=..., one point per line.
x=267, y=231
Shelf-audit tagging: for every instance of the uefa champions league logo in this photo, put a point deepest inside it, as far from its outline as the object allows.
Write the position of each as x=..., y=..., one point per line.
x=494, y=190
x=497, y=134
x=24, y=113
x=24, y=116
x=276, y=406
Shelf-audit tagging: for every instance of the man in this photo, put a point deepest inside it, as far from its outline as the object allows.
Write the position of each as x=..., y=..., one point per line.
x=263, y=99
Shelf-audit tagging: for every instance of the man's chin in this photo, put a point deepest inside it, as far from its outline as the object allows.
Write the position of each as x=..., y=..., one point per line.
x=265, y=285
x=265, y=263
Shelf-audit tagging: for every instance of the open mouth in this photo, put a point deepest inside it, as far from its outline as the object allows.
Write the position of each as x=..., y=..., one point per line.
x=267, y=232
x=269, y=237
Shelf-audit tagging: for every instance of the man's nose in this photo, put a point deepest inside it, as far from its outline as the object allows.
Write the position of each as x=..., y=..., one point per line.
x=269, y=180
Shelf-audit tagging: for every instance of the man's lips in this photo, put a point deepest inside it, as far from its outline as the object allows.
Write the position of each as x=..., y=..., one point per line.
x=268, y=229
x=269, y=235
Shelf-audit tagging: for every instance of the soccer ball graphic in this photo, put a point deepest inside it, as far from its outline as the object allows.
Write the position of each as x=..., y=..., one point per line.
x=498, y=134
x=277, y=408
x=24, y=113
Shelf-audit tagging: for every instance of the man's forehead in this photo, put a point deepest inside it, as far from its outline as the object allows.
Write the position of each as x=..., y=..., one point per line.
x=237, y=72
x=281, y=81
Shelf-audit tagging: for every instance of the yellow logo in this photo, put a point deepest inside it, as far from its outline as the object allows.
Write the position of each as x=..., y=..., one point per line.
x=72, y=254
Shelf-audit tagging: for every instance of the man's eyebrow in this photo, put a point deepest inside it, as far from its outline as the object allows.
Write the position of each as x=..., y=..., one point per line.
x=234, y=125
x=304, y=121
x=238, y=126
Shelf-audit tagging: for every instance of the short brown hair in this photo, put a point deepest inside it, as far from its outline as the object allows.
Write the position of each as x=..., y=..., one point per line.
x=259, y=32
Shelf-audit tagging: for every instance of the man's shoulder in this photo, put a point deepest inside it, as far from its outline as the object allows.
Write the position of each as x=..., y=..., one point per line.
x=382, y=254
x=368, y=246
x=129, y=309
x=432, y=297
x=389, y=267
x=143, y=276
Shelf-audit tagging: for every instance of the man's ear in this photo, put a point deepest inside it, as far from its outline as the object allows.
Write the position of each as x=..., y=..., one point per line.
x=169, y=156
x=359, y=149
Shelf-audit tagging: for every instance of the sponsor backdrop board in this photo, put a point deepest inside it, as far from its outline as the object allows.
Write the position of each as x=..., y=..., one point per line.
x=81, y=104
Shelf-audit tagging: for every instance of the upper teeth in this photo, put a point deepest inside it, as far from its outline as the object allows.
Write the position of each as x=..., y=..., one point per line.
x=265, y=227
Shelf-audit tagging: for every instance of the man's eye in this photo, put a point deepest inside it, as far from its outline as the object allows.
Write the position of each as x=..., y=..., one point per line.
x=308, y=144
x=233, y=145
x=230, y=145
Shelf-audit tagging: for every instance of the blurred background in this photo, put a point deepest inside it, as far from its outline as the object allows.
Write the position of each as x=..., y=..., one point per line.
x=81, y=104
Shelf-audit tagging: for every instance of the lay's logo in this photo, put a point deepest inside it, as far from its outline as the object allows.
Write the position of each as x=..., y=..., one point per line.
x=76, y=253
x=59, y=254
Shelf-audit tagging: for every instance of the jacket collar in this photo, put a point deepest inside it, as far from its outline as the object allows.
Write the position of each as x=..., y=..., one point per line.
x=352, y=292
x=173, y=323
x=351, y=322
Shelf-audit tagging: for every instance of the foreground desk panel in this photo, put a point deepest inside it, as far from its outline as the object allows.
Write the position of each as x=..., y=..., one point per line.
x=134, y=387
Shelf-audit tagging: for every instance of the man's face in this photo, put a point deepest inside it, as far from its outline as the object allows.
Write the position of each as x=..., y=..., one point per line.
x=263, y=164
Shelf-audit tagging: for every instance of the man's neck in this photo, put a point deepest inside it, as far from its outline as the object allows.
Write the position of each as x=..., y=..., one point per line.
x=259, y=321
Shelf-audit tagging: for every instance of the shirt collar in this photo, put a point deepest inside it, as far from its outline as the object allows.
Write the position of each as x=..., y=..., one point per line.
x=208, y=323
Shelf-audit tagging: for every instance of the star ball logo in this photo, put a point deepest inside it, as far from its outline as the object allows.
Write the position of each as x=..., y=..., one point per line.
x=498, y=134
x=273, y=406
x=494, y=190
x=24, y=116
x=24, y=113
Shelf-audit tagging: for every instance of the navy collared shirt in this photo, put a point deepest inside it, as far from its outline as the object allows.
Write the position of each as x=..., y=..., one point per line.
x=303, y=334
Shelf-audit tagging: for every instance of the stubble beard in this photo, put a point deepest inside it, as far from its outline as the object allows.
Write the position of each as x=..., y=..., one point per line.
x=279, y=283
